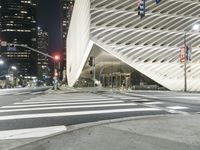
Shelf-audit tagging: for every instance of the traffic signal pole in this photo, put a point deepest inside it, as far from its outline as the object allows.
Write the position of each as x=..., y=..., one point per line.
x=55, y=59
x=185, y=64
x=32, y=49
x=94, y=69
x=92, y=64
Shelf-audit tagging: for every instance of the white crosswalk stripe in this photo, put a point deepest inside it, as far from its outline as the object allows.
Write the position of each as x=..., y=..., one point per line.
x=44, y=115
x=177, y=107
x=30, y=133
x=64, y=102
x=58, y=104
x=66, y=105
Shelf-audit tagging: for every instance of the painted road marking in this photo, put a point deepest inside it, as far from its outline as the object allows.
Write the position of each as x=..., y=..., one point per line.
x=68, y=107
x=57, y=104
x=177, y=107
x=153, y=103
x=65, y=114
x=66, y=100
x=31, y=133
x=185, y=97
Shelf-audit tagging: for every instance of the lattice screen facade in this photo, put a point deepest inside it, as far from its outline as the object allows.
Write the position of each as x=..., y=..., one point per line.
x=150, y=45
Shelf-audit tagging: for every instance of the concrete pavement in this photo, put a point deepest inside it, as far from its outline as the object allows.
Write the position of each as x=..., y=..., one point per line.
x=169, y=132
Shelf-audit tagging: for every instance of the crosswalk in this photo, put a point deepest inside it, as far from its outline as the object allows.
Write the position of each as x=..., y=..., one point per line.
x=66, y=103
x=22, y=91
x=45, y=112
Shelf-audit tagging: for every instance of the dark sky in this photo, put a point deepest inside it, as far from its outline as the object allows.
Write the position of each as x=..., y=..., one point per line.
x=49, y=17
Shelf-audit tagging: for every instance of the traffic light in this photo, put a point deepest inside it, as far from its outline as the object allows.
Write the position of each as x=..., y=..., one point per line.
x=57, y=57
x=91, y=61
x=141, y=8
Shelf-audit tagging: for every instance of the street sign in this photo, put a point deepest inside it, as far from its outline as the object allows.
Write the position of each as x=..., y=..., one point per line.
x=3, y=43
x=11, y=48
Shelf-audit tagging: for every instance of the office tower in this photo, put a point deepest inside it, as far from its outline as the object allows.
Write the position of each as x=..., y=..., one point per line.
x=42, y=46
x=67, y=12
x=18, y=25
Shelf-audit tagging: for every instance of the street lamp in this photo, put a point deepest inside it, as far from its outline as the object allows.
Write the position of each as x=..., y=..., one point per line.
x=194, y=28
x=1, y=62
x=11, y=74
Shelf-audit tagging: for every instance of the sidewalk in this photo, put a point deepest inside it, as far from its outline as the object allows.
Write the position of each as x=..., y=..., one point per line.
x=172, y=132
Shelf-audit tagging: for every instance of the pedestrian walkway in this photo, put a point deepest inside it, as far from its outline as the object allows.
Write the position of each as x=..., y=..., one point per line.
x=47, y=111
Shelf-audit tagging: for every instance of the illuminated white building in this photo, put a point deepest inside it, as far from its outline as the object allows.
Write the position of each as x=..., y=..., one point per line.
x=109, y=29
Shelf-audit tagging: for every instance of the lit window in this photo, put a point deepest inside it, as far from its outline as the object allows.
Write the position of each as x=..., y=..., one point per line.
x=24, y=12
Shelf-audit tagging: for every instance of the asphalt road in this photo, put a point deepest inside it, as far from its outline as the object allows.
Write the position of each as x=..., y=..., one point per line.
x=29, y=111
x=10, y=96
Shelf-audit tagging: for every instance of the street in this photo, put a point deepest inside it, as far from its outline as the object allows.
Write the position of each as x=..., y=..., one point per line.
x=10, y=96
x=69, y=108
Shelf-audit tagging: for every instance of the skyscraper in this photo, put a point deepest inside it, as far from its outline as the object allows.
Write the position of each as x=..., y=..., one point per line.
x=18, y=25
x=67, y=12
x=42, y=46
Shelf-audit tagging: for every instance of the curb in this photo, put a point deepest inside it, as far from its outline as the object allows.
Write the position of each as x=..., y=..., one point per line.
x=72, y=128
x=104, y=122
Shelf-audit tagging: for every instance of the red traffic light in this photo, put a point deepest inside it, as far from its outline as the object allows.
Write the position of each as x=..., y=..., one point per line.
x=57, y=57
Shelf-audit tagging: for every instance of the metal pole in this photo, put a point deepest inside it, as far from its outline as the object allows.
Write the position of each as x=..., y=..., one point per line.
x=94, y=70
x=55, y=77
x=100, y=75
x=185, y=64
x=47, y=55
x=32, y=49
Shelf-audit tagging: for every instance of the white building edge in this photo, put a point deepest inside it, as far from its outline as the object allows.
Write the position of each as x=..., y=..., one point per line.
x=150, y=45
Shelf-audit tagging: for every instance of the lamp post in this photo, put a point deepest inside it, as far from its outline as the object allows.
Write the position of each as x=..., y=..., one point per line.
x=186, y=49
x=56, y=70
x=94, y=69
x=12, y=75
x=185, y=64
x=1, y=62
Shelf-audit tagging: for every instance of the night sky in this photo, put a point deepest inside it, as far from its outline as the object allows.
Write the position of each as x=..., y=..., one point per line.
x=49, y=17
